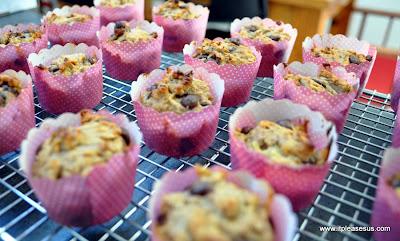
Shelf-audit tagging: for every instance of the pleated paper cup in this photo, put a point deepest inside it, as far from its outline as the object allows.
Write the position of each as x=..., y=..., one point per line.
x=18, y=116
x=386, y=211
x=126, y=60
x=362, y=70
x=300, y=184
x=394, y=101
x=84, y=200
x=14, y=56
x=126, y=12
x=179, y=32
x=335, y=108
x=60, y=93
x=77, y=32
x=178, y=135
x=239, y=79
x=284, y=221
x=273, y=52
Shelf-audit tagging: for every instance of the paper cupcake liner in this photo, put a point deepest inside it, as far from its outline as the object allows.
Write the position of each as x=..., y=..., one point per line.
x=14, y=56
x=127, y=12
x=362, y=70
x=300, y=184
x=272, y=53
x=84, y=200
x=126, y=61
x=394, y=101
x=177, y=33
x=238, y=79
x=60, y=93
x=172, y=134
x=386, y=211
x=335, y=108
x=281, y=214
x=18, y=116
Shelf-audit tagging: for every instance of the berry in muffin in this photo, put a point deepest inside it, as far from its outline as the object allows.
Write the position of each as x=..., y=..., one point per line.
x=176, y=9
x=70, y=64
x=342, y=56
x=395, y=183
x=258, y=31
x=116, y=3
x=10, y=88
x=18, y=37
x=124, y=33
x=68, y=18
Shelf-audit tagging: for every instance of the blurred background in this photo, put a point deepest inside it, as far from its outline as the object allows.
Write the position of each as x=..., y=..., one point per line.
x=377, y=22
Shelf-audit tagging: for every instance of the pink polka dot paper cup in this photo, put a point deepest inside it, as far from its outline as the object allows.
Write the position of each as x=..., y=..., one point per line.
x=362, y=70
x=300, y=184
x=238, y=79
x=394, y=101
x=274, y=52
x=13, y=56
x=18, y=116
x=178, y=135
x=127, y=12
x=283, y=219
x=335, y=108
x=127, y=60
x=60, y=93
x=386, y=211
x=179, y=32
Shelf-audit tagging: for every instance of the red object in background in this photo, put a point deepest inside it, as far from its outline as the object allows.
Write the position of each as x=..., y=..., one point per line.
x=381, y=78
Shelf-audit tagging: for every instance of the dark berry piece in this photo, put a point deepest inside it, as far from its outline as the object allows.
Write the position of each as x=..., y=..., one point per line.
x=275, y=37
x=285, y=123
x=161, y=218
x=353, y=59
x=368, y=58
x=246, y=130
x=53, y=68
x=190, y=101
x=252, y=28
x=235, y=41
x=200, y=188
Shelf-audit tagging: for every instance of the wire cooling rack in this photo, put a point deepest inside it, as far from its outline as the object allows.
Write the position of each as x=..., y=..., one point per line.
x=345, y=199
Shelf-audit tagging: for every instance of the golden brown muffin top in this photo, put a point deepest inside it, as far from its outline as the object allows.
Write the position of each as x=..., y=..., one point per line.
x=70, y=64
x=263, y=33
x=213, y=209
x=116, y=3
x=394, y=182
x=283, y=142
x=69, y=18
x=76, y=150
x=10, y=88
x=227, y=51
x=124, y=33
x=177, y=10
x=342, y=56
x=177, y=92
x=18, y=37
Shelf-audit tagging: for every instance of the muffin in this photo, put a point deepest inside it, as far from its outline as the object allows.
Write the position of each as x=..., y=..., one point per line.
x=120, y=10
x=237, y=64
x=182, y=23
x=338, y=50
x=219, y=205
x=76, y=24
x=74, y=162
x=67, y=78
x=17, y=114
x=17, y=42
x=394, y=101
x=131, y=48
x=181, y=105
x=329, y=90
x=285, y=143
x=273, y=39
x=386, y=210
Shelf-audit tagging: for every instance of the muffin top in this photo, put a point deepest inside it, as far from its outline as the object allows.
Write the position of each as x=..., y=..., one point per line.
x=213, y=209
x=115, y=3
x=18, y=37
x=394, y=182
x=342, y=56
x=124, y=33
x=177, y=92
x=70, y=64
x=10, y=88
x=76, y=150
x=69, y=18
x=227, y=51
x=325, y=81
x=259, y=31
x=283, y=142
x=176, y=9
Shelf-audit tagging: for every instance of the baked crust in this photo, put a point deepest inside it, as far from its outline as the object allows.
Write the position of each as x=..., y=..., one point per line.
x=124, y=33
x=177, y=10
x=259, y=31
x=18, y=37
x=10, y=88
x=342, y=56
x=69, y=18
x=70, y=64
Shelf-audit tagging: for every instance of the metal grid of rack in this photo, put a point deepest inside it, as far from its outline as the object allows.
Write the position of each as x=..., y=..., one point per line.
x=346, y=197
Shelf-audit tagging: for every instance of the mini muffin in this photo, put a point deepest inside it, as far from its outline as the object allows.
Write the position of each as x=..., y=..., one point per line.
x=386, y=210
x=120, y=10
x=285, y=143
x=76, y=24
x=218, y=205
x=273, y=39
x=67, y=78
x=17, y=42
x=74, y=162
x=394, y=100
x=182, y=23
x=181, y=105
x=237, y=64
x=338, y=50
x=17, y=115
x=131, y=48
x=322, y=88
